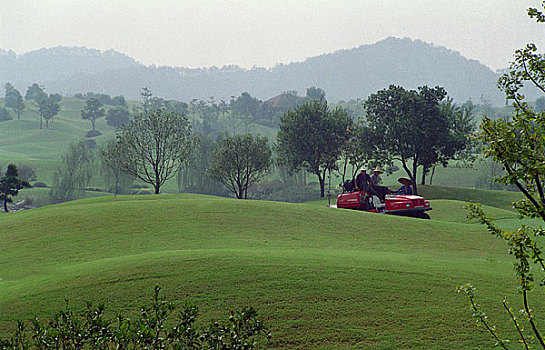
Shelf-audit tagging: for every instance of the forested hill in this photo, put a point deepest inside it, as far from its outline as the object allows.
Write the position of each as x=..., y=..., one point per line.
x=344, y=74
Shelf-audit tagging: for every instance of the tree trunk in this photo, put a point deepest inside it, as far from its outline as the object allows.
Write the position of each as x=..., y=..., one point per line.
x=6, y=205
x=93, y=123
x=157, y=187
x=432, y=172
x=41, y=121
x=424, y=173
x=413, y=179
x=322, y=184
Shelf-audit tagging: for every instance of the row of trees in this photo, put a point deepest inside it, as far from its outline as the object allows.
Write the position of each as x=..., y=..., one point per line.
x=48, y=105
x=419, y=128
x=415, y=127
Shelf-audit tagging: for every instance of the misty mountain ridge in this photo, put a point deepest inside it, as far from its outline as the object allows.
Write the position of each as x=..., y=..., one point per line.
x=343, y=74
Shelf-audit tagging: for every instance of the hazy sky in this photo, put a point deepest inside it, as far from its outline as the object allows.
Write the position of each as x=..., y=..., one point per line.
x=203, y=33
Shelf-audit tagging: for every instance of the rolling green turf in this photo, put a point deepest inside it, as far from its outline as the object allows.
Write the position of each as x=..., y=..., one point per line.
x=322, y=278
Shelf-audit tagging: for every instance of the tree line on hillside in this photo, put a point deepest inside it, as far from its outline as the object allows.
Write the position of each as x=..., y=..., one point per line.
x=421, y=129
x=409, y=125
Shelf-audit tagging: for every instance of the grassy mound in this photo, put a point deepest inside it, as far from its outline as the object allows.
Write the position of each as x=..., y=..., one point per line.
x=321, y=278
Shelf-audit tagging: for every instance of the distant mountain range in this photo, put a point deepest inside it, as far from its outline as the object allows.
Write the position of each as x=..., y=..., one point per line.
x=344, y=74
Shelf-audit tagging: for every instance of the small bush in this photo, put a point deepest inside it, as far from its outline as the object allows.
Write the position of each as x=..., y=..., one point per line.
x=91, y=143
x=39, y=184
x=93, y=133
x=92, y=330
x=4, y=115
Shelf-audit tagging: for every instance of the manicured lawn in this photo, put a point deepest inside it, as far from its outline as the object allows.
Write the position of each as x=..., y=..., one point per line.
x=321, y=278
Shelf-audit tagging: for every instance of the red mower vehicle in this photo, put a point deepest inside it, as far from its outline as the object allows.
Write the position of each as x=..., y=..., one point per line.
x=404, y=205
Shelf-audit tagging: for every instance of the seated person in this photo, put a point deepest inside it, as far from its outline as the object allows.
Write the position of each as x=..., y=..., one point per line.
x=363, y=182
x=348, y=186
x=406, y=188
x=375, y=181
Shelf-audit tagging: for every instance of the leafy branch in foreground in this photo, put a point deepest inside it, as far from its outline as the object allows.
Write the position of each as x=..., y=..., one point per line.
x=153, y=329
x=518, y=144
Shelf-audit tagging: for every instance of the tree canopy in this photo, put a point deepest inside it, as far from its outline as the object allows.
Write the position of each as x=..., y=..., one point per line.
x=47, y=108
x=14, y=100
x=311, y=137
x=518, y=144
x=92, y=111
x=241, y=161
x=10, y=184
x=117, y=117
x=153, y=146
x=410, y=126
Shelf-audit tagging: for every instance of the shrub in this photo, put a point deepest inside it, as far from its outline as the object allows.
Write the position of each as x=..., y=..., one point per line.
x=39, y=184
x=4, y=115
x=91, y=143
x=92, y=330
x=93, y=133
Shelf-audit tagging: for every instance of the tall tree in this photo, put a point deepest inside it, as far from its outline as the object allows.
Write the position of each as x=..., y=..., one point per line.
x=34, y=92
x=241, y=161
x=14, y=100
x=117, y=117
x=311, y=137
x=245, y=105
x=315, y=93
x=152, y=147
x=92, y=111
x=10, y=184
x=73, y=175
x=409, y=126
x=47, y=109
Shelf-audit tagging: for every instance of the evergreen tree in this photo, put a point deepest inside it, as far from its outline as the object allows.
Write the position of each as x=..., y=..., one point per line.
x=10, y=184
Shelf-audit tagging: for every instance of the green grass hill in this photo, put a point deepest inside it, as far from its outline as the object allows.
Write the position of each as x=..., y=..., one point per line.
x=321, y=278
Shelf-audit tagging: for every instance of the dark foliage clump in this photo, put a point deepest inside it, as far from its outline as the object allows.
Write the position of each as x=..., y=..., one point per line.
x=153, y=329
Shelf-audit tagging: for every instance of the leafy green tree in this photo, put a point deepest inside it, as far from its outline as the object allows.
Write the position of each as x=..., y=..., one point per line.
x=518, y=144
x=311, y=137
x=4, y=115
x=360, y=149
x=153, y=146
x=74, y=173
x=146, y=96
x=192, y=176
x=241, y=161
x=117, y=117
x=34, y=92
x=117, y=181
x=47, y=109
x=245, y=105
x=92, y=111
x=55, y=97
x=456, y=143
x=315, y=93
x=410, y=127
x=8, y=87
x=10, y=184
x=118, y=101
x=14, y=100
